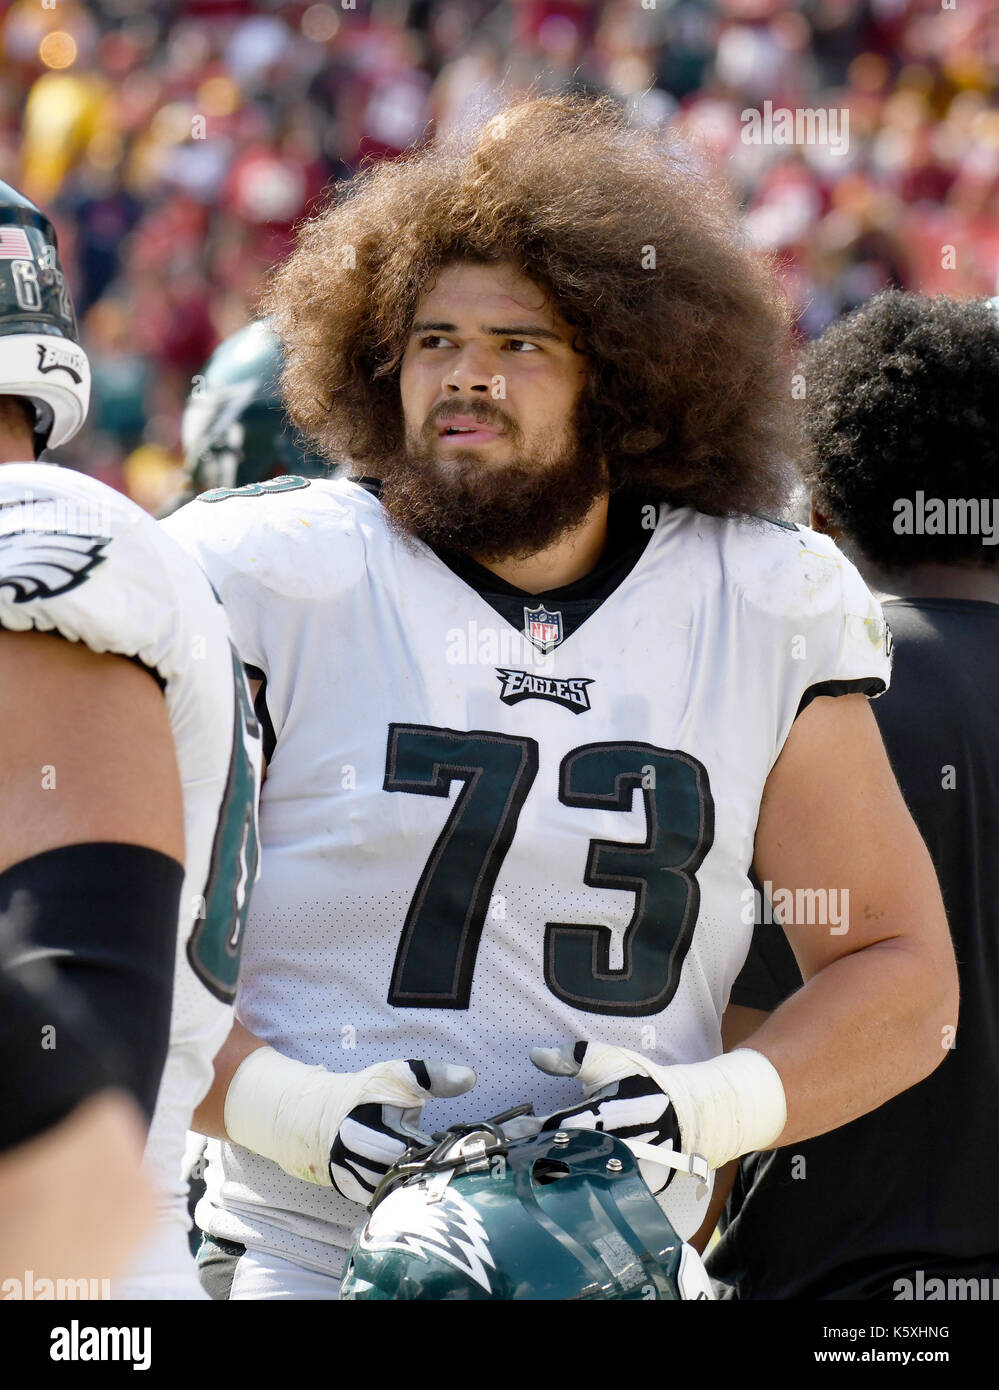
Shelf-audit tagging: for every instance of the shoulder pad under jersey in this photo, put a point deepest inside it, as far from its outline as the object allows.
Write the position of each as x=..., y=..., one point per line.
x=799, y=583
x=304, y=541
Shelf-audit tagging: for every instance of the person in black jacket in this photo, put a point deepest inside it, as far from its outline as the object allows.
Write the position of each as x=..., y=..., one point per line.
x=902, y=457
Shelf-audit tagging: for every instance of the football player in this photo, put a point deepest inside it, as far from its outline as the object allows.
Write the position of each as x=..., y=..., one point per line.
x=130, y=752
x=539, y=691
x=235, y=430
x=902, y=433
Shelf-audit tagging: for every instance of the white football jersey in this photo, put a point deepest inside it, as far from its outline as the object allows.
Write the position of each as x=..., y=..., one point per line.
x=79, y=559
x=470, y=848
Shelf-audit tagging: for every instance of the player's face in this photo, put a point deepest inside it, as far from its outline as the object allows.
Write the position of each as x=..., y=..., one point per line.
x=489, y=370
x=493, y=462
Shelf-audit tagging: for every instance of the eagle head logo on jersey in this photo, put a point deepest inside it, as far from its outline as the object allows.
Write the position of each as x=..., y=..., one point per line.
x=37, y=565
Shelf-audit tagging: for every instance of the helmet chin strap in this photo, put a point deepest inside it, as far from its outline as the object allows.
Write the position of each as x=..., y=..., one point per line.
x=694, y=1164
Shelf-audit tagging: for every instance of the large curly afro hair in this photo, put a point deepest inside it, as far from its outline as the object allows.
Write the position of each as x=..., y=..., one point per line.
x=902, y=396
x=685, y=329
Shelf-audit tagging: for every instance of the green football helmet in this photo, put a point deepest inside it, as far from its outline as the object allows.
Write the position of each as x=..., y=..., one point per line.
x=235, y=430
x=41, y=360
x=558, y=1215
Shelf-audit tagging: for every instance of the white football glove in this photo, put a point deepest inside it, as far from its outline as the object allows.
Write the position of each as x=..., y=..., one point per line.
x=341, y=1130
x=622, y=1097
x=691, y=1117
x=386, y=1102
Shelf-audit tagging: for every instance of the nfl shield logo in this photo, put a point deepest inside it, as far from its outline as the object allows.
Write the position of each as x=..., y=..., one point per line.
x=543, y=628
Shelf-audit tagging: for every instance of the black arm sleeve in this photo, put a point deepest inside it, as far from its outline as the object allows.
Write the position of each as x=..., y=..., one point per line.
x=46, y=1067
x=104, y=917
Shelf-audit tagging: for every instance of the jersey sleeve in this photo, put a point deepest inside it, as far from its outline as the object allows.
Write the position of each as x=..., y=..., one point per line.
x=82, y=561
x=853, y=645
x=808, y=622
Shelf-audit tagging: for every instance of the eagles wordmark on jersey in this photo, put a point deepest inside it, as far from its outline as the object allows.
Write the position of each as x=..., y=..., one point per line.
x=82, y=561
x=462, y=859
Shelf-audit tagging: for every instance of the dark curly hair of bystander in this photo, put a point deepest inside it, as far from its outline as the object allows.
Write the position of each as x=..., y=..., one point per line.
x=901, y=420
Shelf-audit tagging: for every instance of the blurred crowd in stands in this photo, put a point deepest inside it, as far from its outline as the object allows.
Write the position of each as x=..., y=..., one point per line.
x=177, y=142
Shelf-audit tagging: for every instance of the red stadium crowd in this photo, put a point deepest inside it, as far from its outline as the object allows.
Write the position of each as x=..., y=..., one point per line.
x=177, y=143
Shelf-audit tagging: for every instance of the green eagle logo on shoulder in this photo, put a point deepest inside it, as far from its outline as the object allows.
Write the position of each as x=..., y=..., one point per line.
x=37, y=565
x=290, y=482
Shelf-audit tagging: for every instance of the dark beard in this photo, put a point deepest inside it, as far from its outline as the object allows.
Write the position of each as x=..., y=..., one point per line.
x=491, y=512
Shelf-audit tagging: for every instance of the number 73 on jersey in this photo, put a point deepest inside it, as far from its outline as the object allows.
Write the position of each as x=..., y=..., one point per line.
x=435, y=960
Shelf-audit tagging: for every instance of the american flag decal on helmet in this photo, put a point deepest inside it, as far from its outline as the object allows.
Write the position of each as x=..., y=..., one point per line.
x=14, y=244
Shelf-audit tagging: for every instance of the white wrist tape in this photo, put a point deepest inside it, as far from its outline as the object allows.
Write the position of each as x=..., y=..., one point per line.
x=728, y=1106
x=292, y=1113
x=287, y=1112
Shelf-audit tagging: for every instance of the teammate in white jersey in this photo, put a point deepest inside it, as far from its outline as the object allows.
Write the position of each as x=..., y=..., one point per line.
x=537, y=704
x=130, y=752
